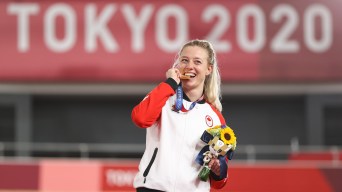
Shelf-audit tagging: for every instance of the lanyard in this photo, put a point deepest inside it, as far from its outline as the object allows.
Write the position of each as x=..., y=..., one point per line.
x=179, y=101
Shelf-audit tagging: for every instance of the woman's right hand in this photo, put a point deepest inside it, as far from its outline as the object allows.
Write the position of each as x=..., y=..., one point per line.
x=173, y=73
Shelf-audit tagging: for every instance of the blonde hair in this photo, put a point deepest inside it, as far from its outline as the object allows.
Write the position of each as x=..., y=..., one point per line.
x=212, y=83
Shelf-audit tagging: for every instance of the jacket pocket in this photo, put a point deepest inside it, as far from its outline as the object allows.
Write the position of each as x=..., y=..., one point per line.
x=147, y=170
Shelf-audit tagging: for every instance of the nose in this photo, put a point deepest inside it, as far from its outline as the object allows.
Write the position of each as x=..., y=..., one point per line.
x=190, y=64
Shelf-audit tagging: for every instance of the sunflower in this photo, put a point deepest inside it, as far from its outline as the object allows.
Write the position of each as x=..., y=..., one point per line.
x=228, y=136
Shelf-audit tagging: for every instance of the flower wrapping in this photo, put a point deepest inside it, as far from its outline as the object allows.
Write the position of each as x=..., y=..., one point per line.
x=221, y=143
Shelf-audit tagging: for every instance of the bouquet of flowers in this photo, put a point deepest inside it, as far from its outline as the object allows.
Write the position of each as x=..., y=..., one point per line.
x=221, y=142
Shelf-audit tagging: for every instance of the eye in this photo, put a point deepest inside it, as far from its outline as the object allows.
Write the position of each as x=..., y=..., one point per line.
x=213, y=145
x=198, y=62
x=184, y=60
x=219, y=151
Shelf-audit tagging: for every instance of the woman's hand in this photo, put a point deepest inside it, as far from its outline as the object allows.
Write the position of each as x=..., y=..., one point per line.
x=214, y=166
x=173, y=73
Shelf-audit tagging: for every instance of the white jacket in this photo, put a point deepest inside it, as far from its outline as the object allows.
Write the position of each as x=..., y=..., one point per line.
x=173, y=141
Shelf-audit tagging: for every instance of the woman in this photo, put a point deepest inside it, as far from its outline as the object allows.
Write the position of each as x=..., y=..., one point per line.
x=176, y=113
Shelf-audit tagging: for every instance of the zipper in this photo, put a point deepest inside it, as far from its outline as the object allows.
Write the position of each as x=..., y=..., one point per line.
x=147, y=170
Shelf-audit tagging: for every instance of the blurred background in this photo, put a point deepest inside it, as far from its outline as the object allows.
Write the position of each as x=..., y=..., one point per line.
x=71, y=72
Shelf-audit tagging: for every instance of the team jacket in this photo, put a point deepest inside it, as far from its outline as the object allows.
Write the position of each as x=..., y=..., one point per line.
x=173, y=142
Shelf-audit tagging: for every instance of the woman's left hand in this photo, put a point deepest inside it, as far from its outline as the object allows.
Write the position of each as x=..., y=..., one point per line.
x=214, y=166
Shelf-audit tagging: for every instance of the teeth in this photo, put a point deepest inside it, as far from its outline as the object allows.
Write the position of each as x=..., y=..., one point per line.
x=190, y=74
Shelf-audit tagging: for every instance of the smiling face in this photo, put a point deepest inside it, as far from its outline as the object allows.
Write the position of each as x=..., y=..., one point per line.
x=193, y=61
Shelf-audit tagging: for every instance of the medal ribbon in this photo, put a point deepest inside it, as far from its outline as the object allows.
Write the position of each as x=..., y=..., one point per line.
x=179, y=101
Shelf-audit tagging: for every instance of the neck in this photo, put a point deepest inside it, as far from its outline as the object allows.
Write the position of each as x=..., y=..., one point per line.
x=194, y=94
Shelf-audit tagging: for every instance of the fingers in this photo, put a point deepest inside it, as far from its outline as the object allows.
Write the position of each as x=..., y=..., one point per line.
x=173, y=73
x=177, y=71
x=214, y=166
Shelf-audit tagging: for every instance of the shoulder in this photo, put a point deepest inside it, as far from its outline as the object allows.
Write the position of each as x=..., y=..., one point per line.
x=218, y=113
